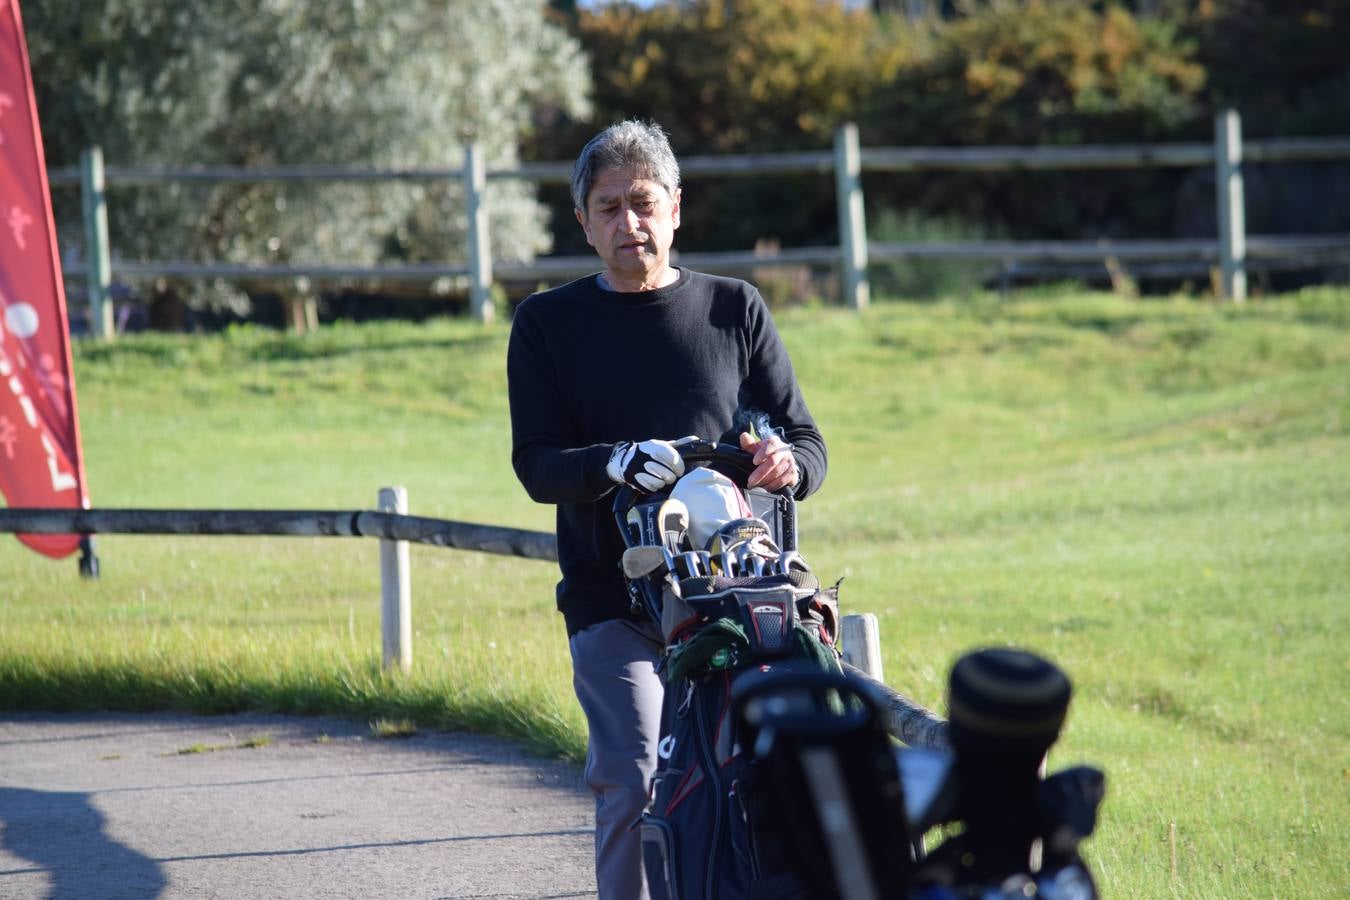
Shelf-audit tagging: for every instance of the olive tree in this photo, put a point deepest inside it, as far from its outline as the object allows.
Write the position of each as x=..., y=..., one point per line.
x=380, y=83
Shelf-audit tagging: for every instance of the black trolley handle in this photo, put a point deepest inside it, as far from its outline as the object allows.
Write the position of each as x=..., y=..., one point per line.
x=729, y=459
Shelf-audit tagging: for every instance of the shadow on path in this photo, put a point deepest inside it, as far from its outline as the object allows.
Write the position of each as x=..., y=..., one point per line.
x=85, y=862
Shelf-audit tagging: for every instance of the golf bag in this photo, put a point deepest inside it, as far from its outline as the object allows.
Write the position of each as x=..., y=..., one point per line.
x=745, y=601
x=848, y=804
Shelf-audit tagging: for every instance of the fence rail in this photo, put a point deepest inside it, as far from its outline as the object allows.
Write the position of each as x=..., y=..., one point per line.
x=904, y=718
x=1196, y=256
x=1231, y=252
x=390, y=524
x=873, y=159
x=419, y=272
x=293, y=522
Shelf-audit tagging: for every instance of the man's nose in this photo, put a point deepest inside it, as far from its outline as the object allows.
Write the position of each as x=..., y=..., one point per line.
x=630, y=218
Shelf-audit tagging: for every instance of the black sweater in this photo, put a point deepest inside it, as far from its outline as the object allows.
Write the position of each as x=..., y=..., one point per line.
x=588, y=368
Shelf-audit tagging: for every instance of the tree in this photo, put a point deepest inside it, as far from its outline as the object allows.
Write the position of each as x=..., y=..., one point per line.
x=736, y=75
x=733, y=76
x=1046, y=72
x=1281, y=63
x=284, y=82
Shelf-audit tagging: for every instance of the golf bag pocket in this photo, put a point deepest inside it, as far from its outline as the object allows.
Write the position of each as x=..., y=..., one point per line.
x=694, y=842
x=659, y=859
x=765, y=610
x=677, y=617
x=769, y=618
x=820, y=614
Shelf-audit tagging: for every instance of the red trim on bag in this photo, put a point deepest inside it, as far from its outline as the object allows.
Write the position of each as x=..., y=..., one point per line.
x=685, y=788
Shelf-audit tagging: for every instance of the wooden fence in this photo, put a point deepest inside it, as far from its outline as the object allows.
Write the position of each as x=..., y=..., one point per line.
x=904, y=718
x=1231, y=253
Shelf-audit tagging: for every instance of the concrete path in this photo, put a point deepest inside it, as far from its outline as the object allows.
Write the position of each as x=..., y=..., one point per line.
x=141, y=806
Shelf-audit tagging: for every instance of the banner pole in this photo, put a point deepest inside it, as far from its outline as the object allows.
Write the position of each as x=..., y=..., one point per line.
x=39, y=426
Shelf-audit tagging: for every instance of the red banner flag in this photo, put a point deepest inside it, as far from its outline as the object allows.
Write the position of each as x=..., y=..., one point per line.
x=40, y=462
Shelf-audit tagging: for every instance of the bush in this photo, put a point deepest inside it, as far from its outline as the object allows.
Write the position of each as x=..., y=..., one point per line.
x=731, y=76
x=380, y=83
x=925, y=279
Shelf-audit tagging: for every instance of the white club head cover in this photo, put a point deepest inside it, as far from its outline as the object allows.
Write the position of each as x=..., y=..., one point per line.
x=712, y=499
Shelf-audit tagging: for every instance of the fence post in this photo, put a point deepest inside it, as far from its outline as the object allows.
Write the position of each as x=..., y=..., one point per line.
x=852, y=227
x=395, y=588
x=1232, y=217
x=860, y=642
x=98, y=277
x=480, y=247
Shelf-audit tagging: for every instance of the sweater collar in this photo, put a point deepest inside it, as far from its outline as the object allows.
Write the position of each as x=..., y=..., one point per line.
x=634, y=298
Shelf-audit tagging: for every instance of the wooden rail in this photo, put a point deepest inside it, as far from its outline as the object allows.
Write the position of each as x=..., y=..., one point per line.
x=1195, y=256
x=904, y=719
x=907, y=720
x=1230, y=252
x=873, y=159
x=391, y=525
x=294, y=522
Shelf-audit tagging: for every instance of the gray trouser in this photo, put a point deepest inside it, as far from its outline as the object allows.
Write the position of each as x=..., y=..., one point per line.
x=614, y=675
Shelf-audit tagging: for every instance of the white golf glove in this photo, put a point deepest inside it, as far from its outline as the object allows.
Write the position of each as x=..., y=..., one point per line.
x=646, y=465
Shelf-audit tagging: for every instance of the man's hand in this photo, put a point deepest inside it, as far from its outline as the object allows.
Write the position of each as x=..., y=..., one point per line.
x=646, y=465
x=775, y=466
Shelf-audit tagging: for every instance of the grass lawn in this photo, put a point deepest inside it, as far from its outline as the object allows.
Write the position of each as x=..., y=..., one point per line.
x=1156, y=494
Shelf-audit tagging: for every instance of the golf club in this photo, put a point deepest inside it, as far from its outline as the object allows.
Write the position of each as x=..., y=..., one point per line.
x=790, y=561
x=691, y=564
x=728, y=561
x=644, y=560
x=673, y=523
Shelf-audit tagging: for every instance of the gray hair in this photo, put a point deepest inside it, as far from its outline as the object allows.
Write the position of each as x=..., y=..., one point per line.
x=631, y=144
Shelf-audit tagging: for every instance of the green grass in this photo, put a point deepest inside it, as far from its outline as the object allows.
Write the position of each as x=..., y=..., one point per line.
x=251, y=743
x=1156, y=494
x=392, y=728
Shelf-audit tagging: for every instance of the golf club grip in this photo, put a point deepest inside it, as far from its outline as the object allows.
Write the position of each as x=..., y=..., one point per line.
x=725, y=456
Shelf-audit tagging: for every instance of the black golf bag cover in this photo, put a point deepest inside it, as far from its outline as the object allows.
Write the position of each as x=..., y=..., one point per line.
x=700, y=833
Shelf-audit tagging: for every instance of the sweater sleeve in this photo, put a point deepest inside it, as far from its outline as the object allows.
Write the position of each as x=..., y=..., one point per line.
x=773, y=387
x=551, y=469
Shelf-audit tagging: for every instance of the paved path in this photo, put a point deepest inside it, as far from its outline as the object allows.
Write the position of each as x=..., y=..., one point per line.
x=108, y=806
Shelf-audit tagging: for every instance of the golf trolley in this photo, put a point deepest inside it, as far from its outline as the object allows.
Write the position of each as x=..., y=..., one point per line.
x=775, y=776
x=715, y=566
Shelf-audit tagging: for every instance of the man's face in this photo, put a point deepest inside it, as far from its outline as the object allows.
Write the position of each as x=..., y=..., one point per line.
x=631, y=222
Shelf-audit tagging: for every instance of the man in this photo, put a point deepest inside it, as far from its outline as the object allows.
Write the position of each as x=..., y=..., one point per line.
x=605, y=374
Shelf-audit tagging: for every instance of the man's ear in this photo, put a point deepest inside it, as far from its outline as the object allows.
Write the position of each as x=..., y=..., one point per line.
x=675, y=208
x=581, y=220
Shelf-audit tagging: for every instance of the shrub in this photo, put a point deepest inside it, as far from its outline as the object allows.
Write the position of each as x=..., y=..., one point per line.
x=925, y=279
